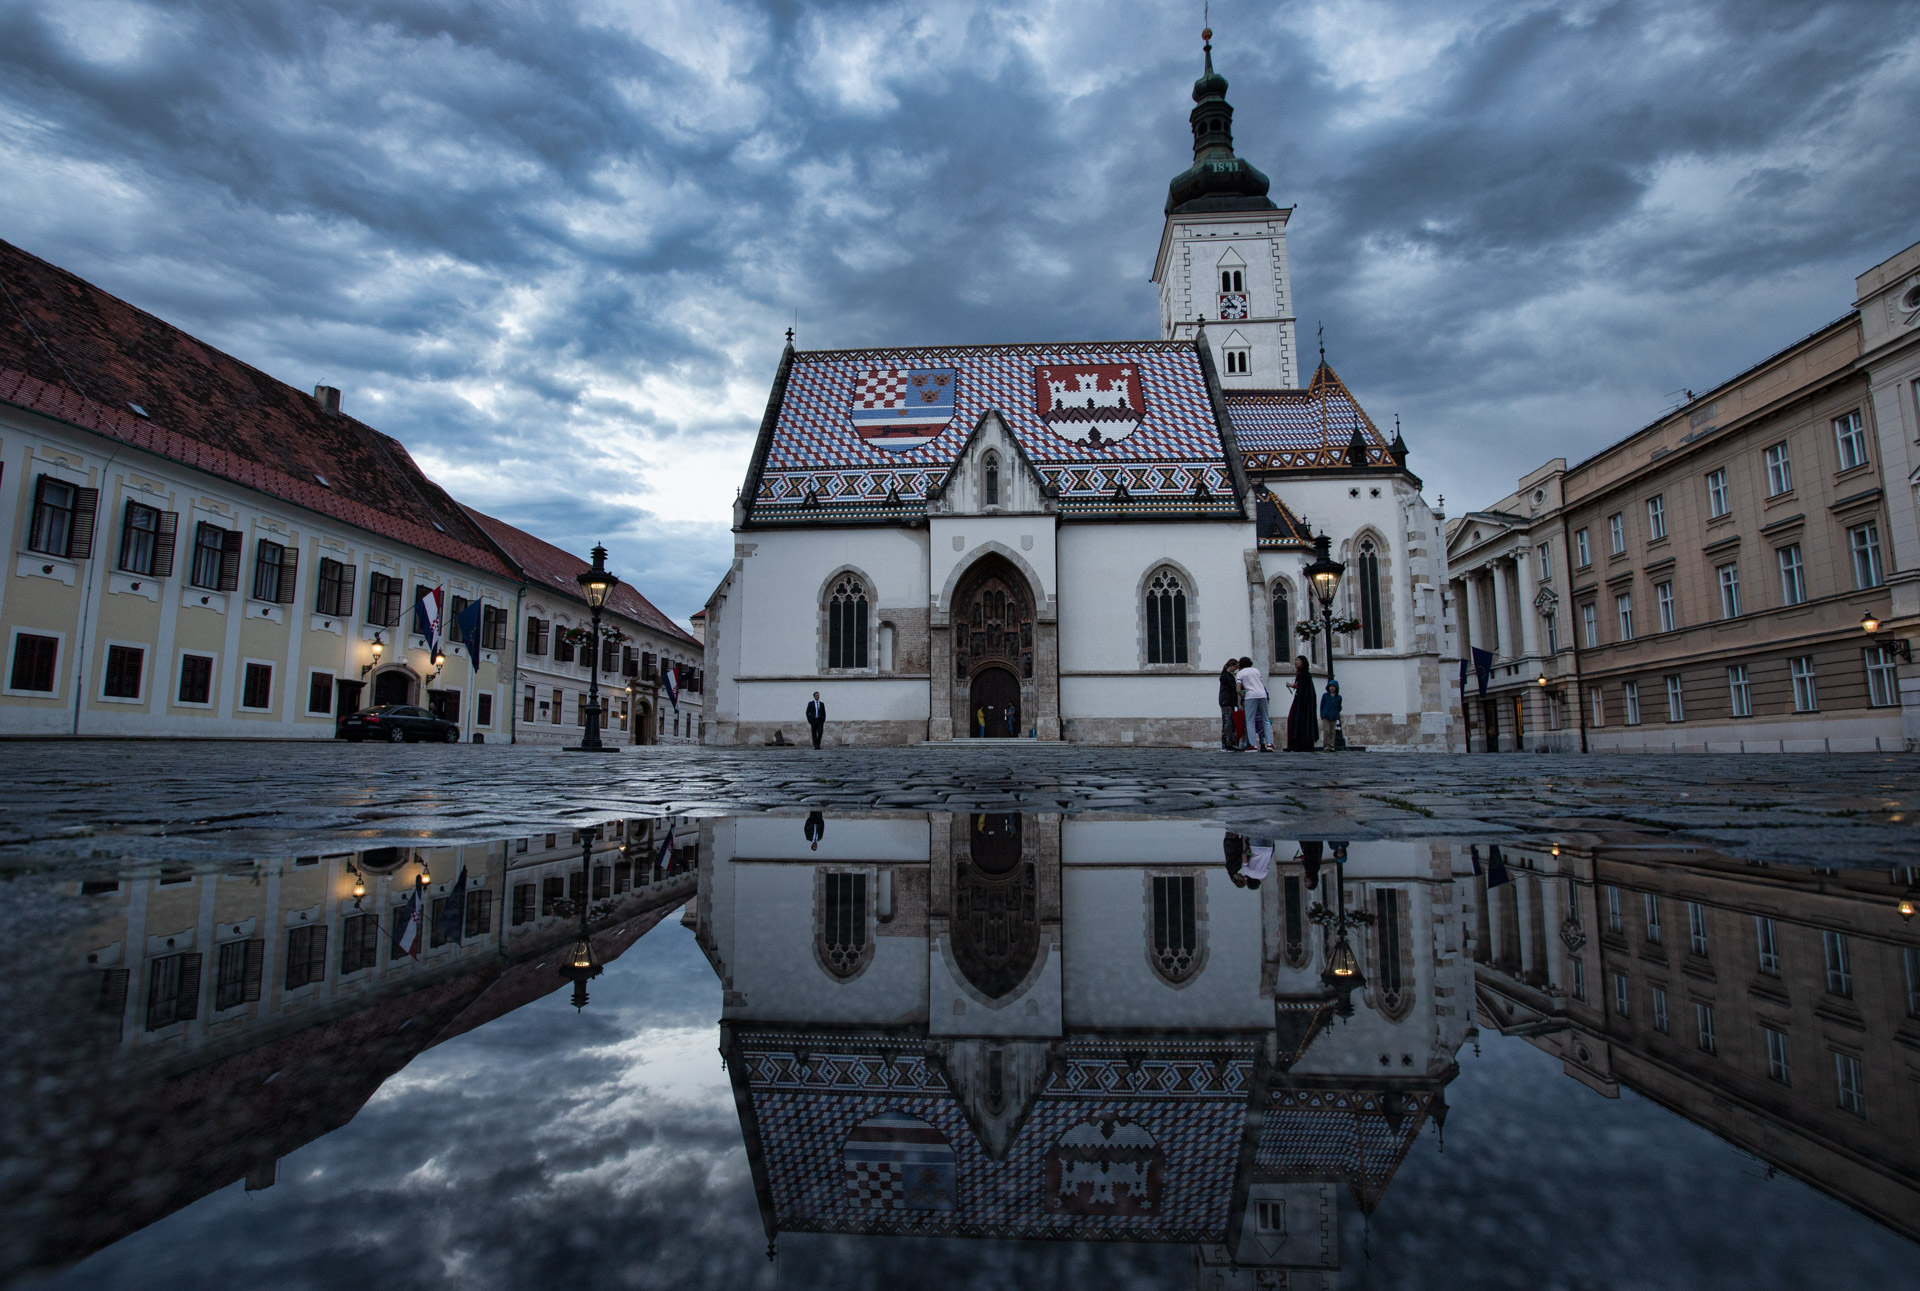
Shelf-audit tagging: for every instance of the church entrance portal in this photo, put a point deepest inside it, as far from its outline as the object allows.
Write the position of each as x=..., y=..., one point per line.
x=996, y=704
x=392, y=687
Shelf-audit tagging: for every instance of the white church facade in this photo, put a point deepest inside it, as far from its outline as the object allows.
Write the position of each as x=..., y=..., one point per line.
x=1068, y=542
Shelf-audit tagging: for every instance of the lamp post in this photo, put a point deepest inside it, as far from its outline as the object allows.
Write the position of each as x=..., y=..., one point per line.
x=1324, y=573
x=1343, y=966
x=1870, y=624
x=597, y=583
x=582, y=963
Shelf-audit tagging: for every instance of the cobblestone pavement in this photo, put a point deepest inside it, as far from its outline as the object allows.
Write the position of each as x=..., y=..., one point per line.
x=213, y=800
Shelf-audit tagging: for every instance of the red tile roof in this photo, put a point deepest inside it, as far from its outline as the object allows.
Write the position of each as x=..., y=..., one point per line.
x=71, y=351
x=547, y=566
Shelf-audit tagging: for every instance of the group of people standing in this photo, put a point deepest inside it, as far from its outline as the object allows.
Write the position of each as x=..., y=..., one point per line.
x=1245, y=722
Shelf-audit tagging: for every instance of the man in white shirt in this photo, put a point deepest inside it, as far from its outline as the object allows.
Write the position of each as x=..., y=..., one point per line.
x=1253, y=698
x=1259, y=861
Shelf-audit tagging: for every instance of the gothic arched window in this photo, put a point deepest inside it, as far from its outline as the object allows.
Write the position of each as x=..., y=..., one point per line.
x=1372, y=629
x=1282, y=624
x=991, y=493
x=847, y=624
x=1166, y=618
x=1176, y=928
x=843, y=945
x=1393, y=996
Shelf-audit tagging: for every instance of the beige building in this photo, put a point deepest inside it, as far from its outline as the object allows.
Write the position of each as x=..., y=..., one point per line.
x=1776, y=1006
x=1704, y=583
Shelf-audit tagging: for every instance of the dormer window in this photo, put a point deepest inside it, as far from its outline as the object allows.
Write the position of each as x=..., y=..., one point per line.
x=991, y=492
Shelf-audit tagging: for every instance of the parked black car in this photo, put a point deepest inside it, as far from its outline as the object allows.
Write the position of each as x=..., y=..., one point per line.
x=398, y=723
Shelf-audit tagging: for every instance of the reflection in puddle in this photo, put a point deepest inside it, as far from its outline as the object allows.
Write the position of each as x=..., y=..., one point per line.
x=978, y=1027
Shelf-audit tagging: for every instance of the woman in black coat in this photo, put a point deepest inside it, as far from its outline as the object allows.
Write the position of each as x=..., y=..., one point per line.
x=1229, y=700
x=1303, y=718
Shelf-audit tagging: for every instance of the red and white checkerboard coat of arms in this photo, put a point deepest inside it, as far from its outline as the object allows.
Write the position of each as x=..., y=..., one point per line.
x=899, y=408
x=898, y=1162
x=1090, y=403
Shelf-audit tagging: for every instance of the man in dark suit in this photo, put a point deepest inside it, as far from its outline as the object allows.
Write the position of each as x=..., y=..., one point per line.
x=815, y=829
x=816, y=718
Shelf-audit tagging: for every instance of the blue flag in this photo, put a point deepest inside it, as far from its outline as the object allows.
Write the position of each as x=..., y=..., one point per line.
x=1482, y=668
x=453, y=914
x=467, y=624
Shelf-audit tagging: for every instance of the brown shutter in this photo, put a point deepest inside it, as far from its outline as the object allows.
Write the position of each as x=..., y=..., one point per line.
x=289, y=575
x=163, y=540
x=80, y=542
x=317, y=955
x=255, y=969
x=187, y=1001
x=113, y=991
x=229, y=560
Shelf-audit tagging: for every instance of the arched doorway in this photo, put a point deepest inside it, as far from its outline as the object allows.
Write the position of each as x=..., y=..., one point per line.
x=394, y=686
x=994, y=701
x=996, y=926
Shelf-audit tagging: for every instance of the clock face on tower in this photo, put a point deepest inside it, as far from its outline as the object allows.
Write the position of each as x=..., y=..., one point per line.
x=1233, y=304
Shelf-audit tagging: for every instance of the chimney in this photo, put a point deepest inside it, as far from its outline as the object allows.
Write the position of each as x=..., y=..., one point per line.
x=329, y=400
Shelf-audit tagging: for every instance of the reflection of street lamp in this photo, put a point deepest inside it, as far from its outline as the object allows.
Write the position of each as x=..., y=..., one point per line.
x=1343, y=966
x=359, y=885
x=1324, y=573
x=582, y=963
x=597, y=583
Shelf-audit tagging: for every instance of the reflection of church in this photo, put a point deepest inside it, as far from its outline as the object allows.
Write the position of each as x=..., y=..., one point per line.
x=1034, y=1027
x=1067, y=540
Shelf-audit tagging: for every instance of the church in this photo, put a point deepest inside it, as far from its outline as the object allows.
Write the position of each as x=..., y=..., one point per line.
x=1067, y=541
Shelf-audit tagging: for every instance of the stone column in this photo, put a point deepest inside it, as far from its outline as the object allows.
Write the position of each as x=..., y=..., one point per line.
x=1502, y=646
x=1523, y=562
x=1470, y=597
x=1550, y=906
x=1525, y=898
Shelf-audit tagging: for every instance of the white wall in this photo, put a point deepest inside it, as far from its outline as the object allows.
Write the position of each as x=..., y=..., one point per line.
x=781, y=584
x=1102, y=571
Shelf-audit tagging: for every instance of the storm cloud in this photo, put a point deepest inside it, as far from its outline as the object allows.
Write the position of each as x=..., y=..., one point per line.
x=554, y=247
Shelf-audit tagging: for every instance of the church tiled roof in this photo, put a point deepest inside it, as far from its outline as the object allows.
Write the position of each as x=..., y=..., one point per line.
x=70, y=351
x=1281, y=430
x=1358, y=1135
x=812, y=462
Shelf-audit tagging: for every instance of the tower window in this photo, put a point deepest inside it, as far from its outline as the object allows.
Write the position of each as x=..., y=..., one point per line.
x=1238, y=362
x=1231, y=280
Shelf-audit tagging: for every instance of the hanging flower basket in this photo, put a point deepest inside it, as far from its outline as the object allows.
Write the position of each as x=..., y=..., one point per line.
x=1308, y=629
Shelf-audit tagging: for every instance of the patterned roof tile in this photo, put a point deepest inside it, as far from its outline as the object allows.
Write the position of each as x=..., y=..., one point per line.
x=1303, y=429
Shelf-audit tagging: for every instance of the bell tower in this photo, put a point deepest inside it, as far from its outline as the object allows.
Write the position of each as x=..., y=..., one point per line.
x=1223, y=252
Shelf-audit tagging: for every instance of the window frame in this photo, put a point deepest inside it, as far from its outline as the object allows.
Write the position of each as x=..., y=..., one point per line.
x=1617, y=533
x=212, y=662
x=1739, y=690
x=848, y=605
x=1719, y=496
x=109, y=673
x=1656, y=517
x=1662, y=1022
x=1728, y=577
x=1676, y=698
x=1630, y=691
x=247, y=674
x=1779, y=1057
x=1883, y=677
x=1850, y=441
x=1582, y=548
x=1806, y=688
x=1590, y=624
x=159, y=535
x=1766, y=939
x=333, y=588
x=1703, y=1027
x=13, y=673
x=1793, y=574
x=1623, y=614
x=1850, y=1083
x=1167, y=618
x=1863, y=544
x=1779, y=462
x=1669, y=608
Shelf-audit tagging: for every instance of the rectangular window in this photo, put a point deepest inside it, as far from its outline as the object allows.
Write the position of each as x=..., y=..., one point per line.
x=269, y=570
x=844, y=916
x=1729, y=590
x=1669, y=616
x=559, y=705
x=1597, y=700
x=1546, y=560
x=523, y=903
x=34, y=657
x=1793, y=578
x=1623, y=608
x=1806, y=697
x=1656, y=517
x=146, y=541
x=1583, y=555
x=1839, y=964
x=54, y=502
x=1864, y=539
x=1883, y=690
x=196, y=679
x=239, y=969
x=1554, y=720
x=1579, y=979
x=552, y=890
x=1660, y=1009
x=1910, y=960
x=1271, y=1216
x=1553, y=632
x=456, y=606
x=306, y=955
x=1697, y=929
x=257, y=689
x=334, y=593
x=216, y=558
x=536, y=642
x=359, y=943
x=479, y=914
x=1621, y=995
x=1719, y=501
x=1630, y=691
x=320, y=694
x=562, y=648
x=125, y=664
x=383, y=600
x=1778, y=1067
x=1676, y=703
x=437, y=923
x=1850, y=1083
x=1850, y=438
x=1767, y=940
x=1739, y=693
x=1652, y=906
x=1779, y=470
x=493, y=628
x=1614, y=922
x=483, y=709
x=1703, y=1025
x=527, y=703
x=1617, y=533
x=173, y=990
x=1590, y=620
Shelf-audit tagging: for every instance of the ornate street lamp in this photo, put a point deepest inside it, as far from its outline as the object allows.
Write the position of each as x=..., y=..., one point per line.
x=377, y=648
x=1324, y=573
x=582, y=963
x=598, y=584
x=1870, y=625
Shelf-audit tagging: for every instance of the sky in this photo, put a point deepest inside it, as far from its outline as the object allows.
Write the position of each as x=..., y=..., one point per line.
x=554, y=247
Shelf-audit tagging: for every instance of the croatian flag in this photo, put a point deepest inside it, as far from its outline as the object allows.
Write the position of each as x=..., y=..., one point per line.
x=426, y=618
x=672, y=676
x=406, y=929
x=666, y=851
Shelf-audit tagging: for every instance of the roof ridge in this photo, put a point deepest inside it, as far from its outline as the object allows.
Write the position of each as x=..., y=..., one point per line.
x=622, y=589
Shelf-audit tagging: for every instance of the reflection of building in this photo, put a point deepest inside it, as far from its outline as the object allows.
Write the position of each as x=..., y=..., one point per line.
x=1004, y=1026
x=207, y=1024
x=1777, y=1006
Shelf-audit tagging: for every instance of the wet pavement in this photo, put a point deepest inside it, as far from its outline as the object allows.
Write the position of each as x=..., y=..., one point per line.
x=182, y=799
x=832, y=1047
